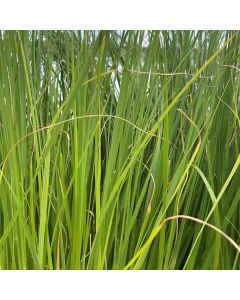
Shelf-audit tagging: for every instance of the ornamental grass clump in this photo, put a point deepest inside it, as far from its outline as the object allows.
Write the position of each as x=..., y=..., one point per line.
x=119, y=150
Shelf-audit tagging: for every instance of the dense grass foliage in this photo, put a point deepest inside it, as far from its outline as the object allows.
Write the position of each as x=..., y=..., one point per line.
x=119, y=150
